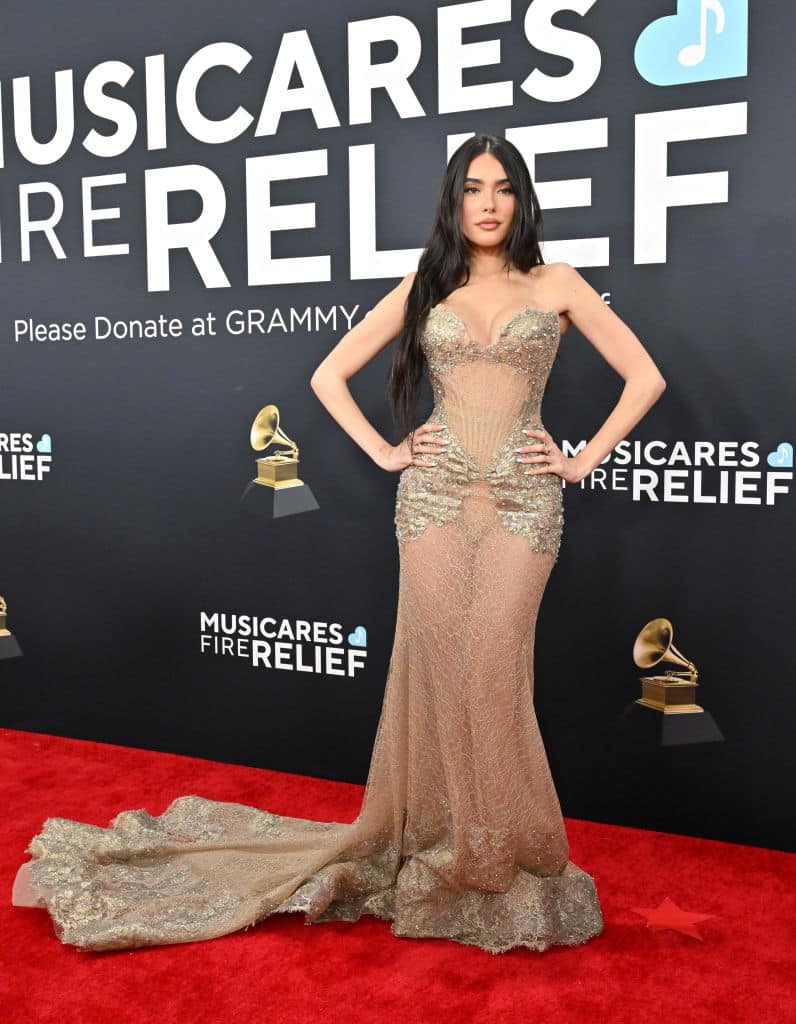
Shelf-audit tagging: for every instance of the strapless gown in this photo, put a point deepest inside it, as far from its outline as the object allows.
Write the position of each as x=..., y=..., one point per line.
x=460, y=833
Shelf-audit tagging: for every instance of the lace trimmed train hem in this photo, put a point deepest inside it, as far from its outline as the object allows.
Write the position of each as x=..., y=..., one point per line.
x=183, y=878
x=536, y=912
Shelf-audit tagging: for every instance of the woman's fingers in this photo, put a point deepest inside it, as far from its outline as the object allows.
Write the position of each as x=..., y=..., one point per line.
x=431, y=445
x=544, y=449
x=424, y=441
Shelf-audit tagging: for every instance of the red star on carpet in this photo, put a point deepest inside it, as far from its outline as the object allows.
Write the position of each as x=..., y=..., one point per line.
x=668, y=915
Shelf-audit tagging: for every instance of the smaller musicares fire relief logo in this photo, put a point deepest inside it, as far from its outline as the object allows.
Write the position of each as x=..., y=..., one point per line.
x=25, y=457
x=295, y=645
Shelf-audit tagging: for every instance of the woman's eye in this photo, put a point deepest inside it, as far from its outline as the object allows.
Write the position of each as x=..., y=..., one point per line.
x=473, y=188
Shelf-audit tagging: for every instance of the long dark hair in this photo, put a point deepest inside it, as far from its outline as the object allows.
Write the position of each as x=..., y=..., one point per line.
x=445, y=263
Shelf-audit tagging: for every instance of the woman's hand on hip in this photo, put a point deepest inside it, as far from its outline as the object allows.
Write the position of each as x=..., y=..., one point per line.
x=546, y=457
x=415, y=448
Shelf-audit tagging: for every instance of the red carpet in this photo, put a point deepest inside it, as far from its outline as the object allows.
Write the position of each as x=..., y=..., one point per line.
x=287, y=972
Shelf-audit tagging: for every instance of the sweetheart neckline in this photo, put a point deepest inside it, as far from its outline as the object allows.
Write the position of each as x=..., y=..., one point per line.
x=503, y=327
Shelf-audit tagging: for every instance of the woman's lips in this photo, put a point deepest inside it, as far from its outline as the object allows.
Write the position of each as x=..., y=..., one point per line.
x=488, y=225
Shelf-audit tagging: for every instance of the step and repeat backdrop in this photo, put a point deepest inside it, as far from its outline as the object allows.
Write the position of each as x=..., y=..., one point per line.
x=200, y=199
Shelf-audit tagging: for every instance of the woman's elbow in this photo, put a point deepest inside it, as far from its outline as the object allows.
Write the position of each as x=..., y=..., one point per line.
x=654, y=380
x=317, y=378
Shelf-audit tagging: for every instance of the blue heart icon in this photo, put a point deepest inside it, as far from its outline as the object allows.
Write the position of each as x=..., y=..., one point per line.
x=44, y=444
x=359, y=638
x=782, y=457
x=703, y=41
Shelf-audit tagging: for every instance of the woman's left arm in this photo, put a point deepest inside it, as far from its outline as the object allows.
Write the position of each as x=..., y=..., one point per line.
x=621, y=349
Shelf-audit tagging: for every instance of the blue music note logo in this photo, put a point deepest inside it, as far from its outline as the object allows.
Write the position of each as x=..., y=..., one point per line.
x=695, y=53
x=689, y=46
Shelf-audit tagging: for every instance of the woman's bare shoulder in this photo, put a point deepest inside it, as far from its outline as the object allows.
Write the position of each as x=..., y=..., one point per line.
x=551, y=271
x=550, y=283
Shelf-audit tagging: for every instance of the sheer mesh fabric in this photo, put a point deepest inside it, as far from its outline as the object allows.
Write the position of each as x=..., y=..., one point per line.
x=460, y=833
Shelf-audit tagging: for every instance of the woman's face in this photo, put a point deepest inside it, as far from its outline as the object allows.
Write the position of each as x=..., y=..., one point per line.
x=488, y=202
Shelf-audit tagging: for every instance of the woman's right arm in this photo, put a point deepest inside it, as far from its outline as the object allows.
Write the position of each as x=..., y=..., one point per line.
x=354, y=350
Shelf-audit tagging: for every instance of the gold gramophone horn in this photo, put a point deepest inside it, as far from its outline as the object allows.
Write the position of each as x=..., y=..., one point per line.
x=278, y=471
x=3, y=610
x=265, y=430
x=654, y=644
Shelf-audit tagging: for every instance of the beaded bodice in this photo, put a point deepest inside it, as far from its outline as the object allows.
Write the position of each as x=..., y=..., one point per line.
x=486, y=394
x=527, y=341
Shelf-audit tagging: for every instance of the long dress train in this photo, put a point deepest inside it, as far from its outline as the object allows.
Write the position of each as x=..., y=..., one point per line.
x=460, y=833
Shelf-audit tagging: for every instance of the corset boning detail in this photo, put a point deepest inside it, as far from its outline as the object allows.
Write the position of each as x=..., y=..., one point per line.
x=486, y=396
x=485, y=423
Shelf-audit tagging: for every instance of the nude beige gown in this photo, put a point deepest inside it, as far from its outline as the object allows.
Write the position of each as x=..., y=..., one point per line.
x=460, y=833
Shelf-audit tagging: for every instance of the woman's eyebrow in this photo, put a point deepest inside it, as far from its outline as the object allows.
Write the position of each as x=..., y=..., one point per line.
x=480, y=181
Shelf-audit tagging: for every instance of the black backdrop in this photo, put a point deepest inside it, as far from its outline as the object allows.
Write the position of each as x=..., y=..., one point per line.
x=135, y=529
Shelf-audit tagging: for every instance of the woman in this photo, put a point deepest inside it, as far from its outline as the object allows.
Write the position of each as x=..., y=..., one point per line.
x=460, y=833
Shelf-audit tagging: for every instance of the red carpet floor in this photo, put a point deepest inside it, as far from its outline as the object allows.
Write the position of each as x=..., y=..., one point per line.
x=288, y=972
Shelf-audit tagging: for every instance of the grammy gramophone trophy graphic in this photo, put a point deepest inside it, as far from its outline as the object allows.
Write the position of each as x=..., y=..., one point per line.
x=9, y=648
x=277, y=489
x=673, y=694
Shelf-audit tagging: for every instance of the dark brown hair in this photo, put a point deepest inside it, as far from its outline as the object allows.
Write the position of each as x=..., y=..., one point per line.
x=445, y=262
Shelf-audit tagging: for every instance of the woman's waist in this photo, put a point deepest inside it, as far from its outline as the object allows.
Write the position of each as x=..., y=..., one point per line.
x=495, y=463
x=480, y=440
x=486, y=416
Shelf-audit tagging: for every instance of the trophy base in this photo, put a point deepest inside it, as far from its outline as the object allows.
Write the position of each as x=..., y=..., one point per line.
x=670, y=709
x=9, y=648
x=669, y=694
x=261, y=499
x=653, y=727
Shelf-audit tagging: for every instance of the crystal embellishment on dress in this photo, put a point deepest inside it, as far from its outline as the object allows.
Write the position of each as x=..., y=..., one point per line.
x=482, y=384
x=460, y=834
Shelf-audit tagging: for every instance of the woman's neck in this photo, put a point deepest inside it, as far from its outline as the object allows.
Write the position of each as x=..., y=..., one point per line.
x=488, y=268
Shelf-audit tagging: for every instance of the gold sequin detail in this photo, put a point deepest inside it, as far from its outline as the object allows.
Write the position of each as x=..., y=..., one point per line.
x=460, y=834
x=205, y=868
x=511, y=372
